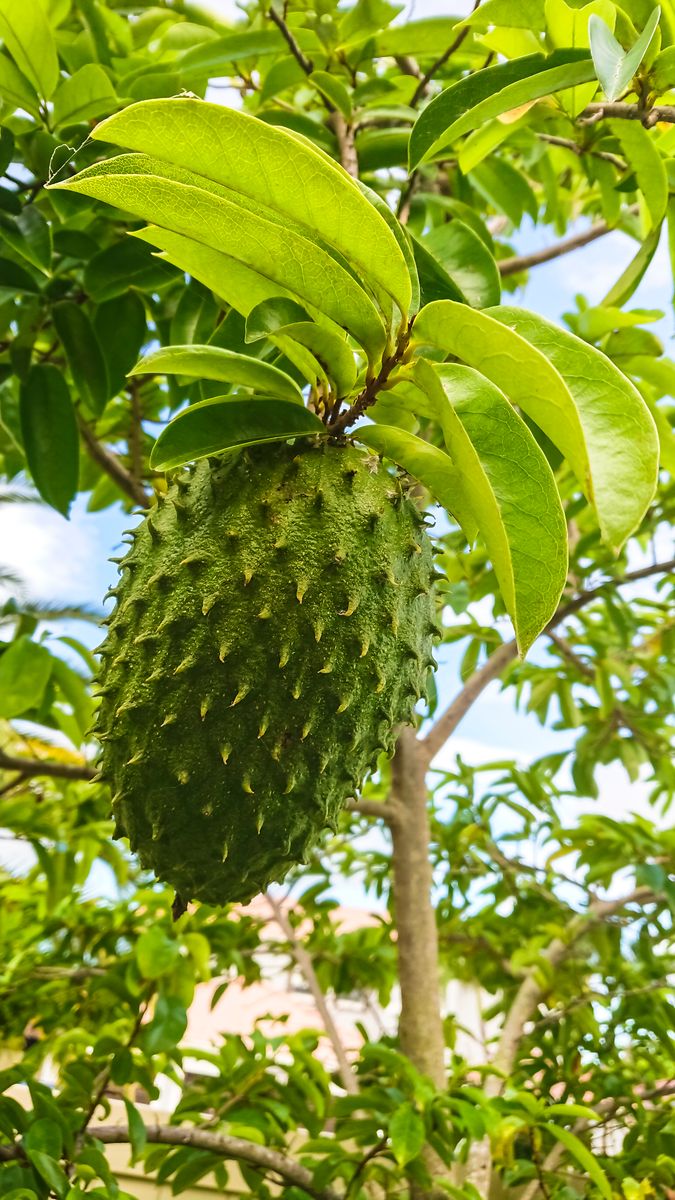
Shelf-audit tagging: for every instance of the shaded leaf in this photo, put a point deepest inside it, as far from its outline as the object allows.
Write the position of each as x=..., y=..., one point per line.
x=83, y=354
x=87, y=93
x=212, y=362
x=50, y=436
x=25, y=668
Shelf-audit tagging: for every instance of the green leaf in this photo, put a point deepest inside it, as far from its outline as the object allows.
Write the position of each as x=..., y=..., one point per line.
x=176, y=200
x=155, y=953
x=25, y=668
x=434, y=281
x=50, y=1171
x=167, y=1027
x=615, y=67
x=486, y=94
x=222, y=423
x=581, y=1111
x=15, y=88
x=517, y=14
x=15, y=280
x=510, y=488
x=297, y=182
x=211, y=58
x=211, y=362
x=124, y=265
x=566, y=26
x=25, y=30
x=44, y=1135
x=629, y=279
x=75, y=691
x=121, y=329
x=433, y=467
x=50, y=436
x=621, y=444
x=463, y=255
x=406, y=1133
x=334, y=90
x=83, y=354
x=86, y=94
x=586, y=1159
x=278, y=317
x=522, y=372
x=647, y=163
x=416, y=37
x=31, y=236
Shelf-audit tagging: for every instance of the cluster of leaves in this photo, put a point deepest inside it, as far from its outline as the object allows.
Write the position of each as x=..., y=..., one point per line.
x=523, y=110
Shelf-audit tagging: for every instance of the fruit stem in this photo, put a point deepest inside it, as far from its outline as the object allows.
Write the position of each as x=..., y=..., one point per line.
x=338, y=423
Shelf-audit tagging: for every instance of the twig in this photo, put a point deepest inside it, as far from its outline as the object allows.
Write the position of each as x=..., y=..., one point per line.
x=628, y=112
x=374, y=385
x=306, y=63
x=580, y=151
x=424, y=82
x=304, y=962
x=373, y=808
x=523, y=262
x=112, y=465
x=27, y=768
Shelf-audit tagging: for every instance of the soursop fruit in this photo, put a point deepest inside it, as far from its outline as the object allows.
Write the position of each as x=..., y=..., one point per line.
x=273, y=624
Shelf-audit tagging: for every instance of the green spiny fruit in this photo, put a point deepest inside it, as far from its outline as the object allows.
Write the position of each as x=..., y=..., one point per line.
x=273, y=625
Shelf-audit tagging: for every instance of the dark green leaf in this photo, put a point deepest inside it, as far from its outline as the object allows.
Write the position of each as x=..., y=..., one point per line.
x=138, y=1135
x=124, y=265
x=25, y=668
x=220, y=424
x=50, y=436
x=85, y=94
x=83, y=353
x=49, y=1170
x=121, y=329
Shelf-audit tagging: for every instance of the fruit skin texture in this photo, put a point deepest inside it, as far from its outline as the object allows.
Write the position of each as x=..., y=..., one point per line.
x=273, y=625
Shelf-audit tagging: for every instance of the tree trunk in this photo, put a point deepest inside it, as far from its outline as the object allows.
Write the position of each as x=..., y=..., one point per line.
x=421, y=1025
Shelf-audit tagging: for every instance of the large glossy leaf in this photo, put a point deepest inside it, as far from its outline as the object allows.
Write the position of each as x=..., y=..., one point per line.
x=25, y=30
x=510, y=488
x=283, y=318
x=272, y=167
x=433, y=467
x=486, y=94
x=25, y=668
x=468, y=263
x=645, y=161
x=225, y=423
x=83, y=353
x=522, y=372
x=615, y=66
x=618, y=429
x=50, y=436
x=212, y=362
x=15, y=88
x=143, y=186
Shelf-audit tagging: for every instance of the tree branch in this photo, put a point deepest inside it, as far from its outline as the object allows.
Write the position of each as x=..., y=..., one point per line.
x=424, y=82
x=373, y=808
x=306, y=63
x=111, y=464
x=523, y=262
x=304, y=962
x=629, y=112
x=222, y=1144
x=580, y=151
x=28, y=767
x=448, y=721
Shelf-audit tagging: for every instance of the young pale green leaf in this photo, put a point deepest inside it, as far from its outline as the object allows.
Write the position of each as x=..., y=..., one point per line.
x=86, y=94
x=467, y=261
x=15, y=89
x=618, y=430
x=567, y=26
x=280, y=317
x=486, y=94
x=25, y=30
x=433, y=467
x=510, y=488
x=516, y=14
x=416, y=37
x=83, y=354
x=628, y=281
x=585, y=1158
x=50, y=436
x=212, y=362
x=615, y=67
x=644, y=159
x=225, y=423
x=144, y=186
x=25, y=668
x=334, y=91
x=406, y=1133
x=272, y=167
x=522, y=372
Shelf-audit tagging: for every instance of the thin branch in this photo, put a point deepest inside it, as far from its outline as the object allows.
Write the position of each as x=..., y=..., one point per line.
x=29, y=767
x=222, y=1144
x=304, y=962
x=113, y=466
x=306, y=63
x=344, y=133
x=373, y=808
x=374, y=385
x=523, y=262
x=448, y=721
x=581, y=151
x=424, y=82
x=629, y=112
